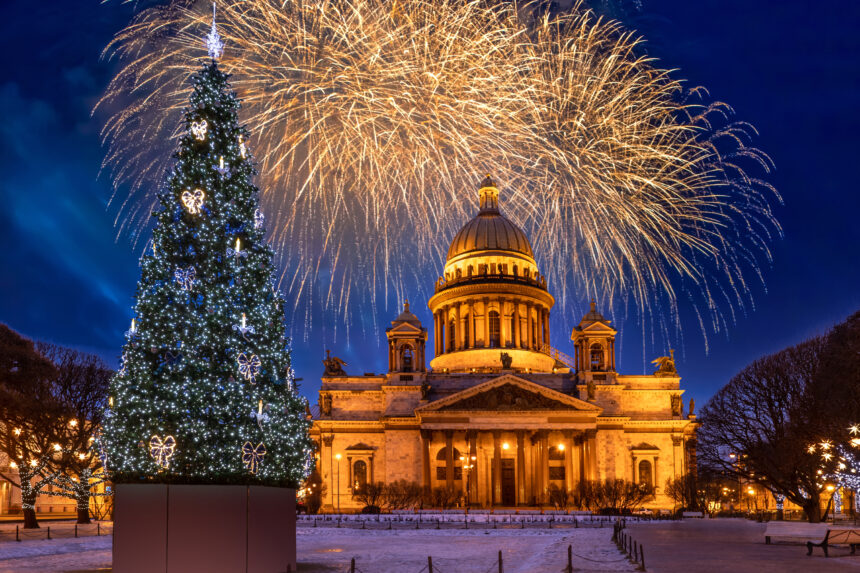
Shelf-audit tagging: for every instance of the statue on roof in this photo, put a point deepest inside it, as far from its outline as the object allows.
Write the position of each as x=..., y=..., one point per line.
x=507, y=360
x=333, y=365
x=665, y=365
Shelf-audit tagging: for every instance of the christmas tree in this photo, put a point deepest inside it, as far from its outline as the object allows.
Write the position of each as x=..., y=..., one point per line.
x=205, y=393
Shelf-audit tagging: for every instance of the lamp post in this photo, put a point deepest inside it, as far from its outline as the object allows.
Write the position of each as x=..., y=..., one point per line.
x=467, y=468
x=337, y=457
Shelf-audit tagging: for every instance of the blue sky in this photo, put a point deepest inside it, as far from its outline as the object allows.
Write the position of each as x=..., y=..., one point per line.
x=789, y=68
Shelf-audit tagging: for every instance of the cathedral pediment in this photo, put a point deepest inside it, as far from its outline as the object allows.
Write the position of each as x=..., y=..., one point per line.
x=508, y=394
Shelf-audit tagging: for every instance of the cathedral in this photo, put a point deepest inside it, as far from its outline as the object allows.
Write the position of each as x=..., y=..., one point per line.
x=499, y=415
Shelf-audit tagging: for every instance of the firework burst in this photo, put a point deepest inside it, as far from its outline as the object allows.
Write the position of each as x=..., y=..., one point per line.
x=373, y=121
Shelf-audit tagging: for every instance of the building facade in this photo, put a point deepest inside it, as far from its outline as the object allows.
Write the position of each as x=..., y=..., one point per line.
x=499, y=414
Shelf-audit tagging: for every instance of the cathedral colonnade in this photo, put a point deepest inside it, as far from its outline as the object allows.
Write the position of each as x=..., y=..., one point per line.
x=511, y=467
x=490, y=322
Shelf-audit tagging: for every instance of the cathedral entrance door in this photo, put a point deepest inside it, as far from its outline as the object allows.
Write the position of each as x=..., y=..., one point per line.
x=509, y=483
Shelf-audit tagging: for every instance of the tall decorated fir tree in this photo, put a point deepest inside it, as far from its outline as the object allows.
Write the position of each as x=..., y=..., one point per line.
x=205, y=393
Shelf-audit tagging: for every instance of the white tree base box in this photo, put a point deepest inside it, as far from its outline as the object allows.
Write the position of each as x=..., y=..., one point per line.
x=211, y=528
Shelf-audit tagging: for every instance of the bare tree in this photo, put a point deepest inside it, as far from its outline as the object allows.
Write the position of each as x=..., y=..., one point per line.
x=30, y=418
x=81, y=389
x=759, y=425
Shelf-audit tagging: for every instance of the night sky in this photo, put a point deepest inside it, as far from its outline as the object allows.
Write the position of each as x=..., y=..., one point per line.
x=790, y=68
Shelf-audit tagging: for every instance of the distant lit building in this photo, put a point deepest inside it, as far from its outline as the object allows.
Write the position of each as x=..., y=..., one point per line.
x=525, y=415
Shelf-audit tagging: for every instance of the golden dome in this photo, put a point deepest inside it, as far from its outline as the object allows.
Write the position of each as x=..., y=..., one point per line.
x=489, y=230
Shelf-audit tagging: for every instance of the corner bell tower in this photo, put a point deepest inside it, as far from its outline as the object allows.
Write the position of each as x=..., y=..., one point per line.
x=594, y=341
x=406, y=341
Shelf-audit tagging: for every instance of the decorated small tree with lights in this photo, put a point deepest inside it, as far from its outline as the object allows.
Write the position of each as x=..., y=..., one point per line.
x=206, y=393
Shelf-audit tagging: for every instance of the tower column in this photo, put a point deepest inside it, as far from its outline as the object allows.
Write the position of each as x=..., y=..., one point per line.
x=517, y=325
x=521, y=468
x=425, y=458
x=449, y=459
x=497, y=467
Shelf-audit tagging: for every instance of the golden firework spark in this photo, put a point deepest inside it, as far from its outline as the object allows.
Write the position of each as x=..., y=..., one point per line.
x=373, y=121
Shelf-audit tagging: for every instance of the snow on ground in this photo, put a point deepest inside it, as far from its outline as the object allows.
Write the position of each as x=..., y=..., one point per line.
x=329, y=550
x=324, y=550
x=55, y=555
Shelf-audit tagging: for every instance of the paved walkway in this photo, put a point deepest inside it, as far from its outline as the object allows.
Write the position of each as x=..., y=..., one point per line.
x=730, y=546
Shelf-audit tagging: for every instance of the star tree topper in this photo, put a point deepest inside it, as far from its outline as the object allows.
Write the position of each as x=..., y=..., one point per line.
x=213, y=39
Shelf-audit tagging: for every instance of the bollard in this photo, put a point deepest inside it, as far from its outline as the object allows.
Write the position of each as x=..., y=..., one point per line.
x=49, y=532
x=642, y=558
x=523, y=524
x=416, y=523
x=98, y=528
x=569, y=559
x=501, y=568
x=352, y=565
x=338, y=523
x=429, y=564
x=635, y=551
x=315, y=522
x=437, y=524
x=76, y=531
x=389, y=526
x=17, y=535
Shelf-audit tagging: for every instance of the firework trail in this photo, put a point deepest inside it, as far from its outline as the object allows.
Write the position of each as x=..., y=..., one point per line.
x=374, y=120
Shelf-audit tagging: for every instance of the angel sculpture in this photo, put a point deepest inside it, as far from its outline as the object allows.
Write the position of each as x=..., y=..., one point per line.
x=333, y=365
x=665, y=365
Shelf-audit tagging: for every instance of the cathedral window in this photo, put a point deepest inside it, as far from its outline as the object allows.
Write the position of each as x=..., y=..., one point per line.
x=645, y=475
x=512, y=329
x=597, y=362
x=452, y=336
x=359, y=475
x=495, y=329
x=556, y=454
x=466, y=329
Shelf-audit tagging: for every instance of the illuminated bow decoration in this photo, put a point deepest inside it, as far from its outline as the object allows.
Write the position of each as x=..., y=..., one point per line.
x=249, y=367
x=259, y=218
x=185, y=277
x=252, y=456
x=199, y=129
x=193, y=200
x=243, y=150
x=162, y=451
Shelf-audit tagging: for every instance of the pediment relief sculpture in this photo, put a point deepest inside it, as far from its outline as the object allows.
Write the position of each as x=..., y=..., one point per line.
x=507, y=397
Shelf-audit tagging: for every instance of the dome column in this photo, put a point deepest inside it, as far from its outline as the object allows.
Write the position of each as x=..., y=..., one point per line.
x=471, y=318
x=486, y=322
x=517, y=326
x=540, y=327
x=529, y=330
x=458, y=328
x=503, y=331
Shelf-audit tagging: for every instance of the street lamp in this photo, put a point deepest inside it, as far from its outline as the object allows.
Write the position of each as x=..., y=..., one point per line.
x=337, y=457
x=467, y=468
